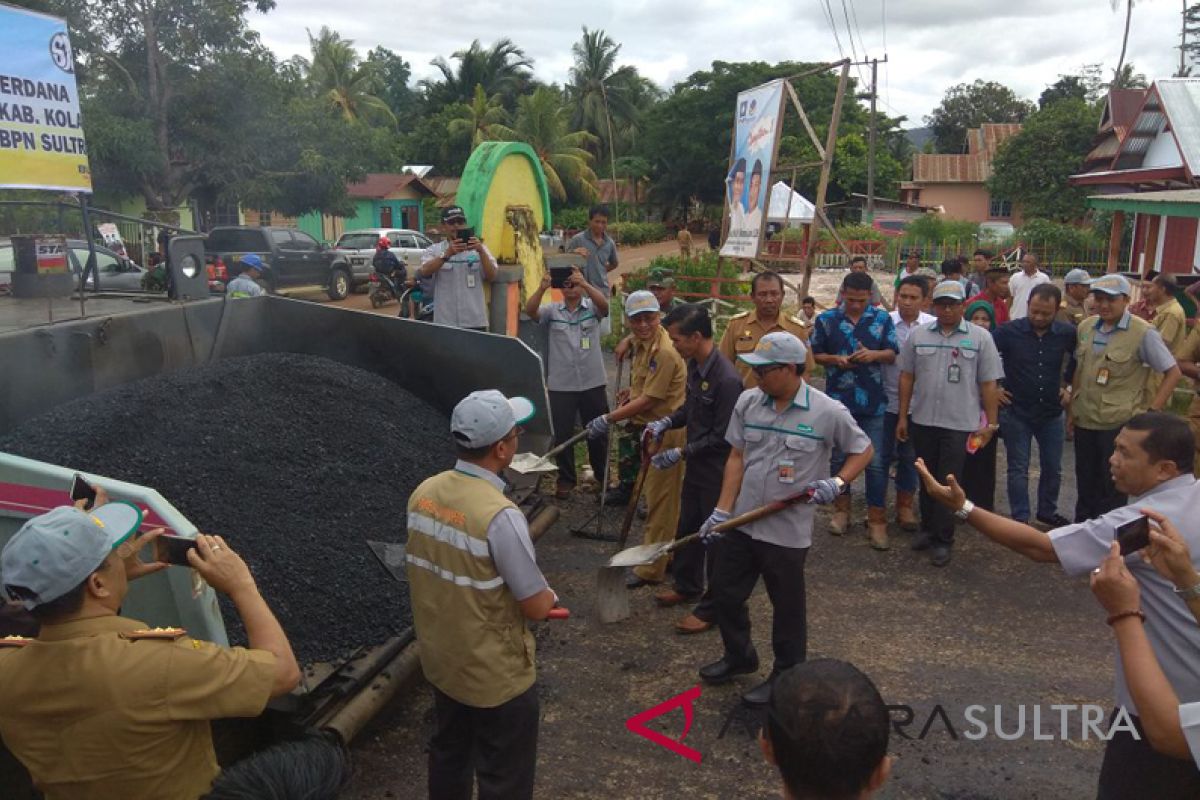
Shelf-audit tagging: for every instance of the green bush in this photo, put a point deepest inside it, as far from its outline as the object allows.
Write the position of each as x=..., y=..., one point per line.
x=632, y=234
x=1057, y=236
x=855, y=232
x=936, y=228
x=690, y=275
x=575, y=217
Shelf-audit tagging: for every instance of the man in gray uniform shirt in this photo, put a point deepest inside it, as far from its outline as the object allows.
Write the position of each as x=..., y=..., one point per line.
x=459, y=269
x=1152, y=463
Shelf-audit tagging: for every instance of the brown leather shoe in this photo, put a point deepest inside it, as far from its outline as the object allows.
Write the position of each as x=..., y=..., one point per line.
x=904, y=511
x=669, y=597
x=841, y=515
x=692, y=624
x=877, y=527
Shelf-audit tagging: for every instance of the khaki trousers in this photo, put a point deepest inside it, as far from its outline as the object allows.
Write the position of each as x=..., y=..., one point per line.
x=663, y=490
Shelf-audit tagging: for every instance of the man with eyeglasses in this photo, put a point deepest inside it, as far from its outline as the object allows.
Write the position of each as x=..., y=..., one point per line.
x=746, y=329
x=459, y=269
x=782, y=435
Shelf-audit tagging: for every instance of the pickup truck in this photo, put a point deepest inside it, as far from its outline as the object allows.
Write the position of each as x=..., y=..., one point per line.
x=293, y=258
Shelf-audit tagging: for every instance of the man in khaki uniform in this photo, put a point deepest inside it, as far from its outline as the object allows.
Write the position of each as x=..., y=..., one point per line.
x=1188, y=359
x=1074, y=309
x=99, y=705
x=657, y=389
x=745, y=329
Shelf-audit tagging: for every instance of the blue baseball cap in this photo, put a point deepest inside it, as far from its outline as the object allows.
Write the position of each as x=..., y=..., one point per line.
x=640, y=302
x=1077, y=277
x=55, y=552
x=253, y=261
x=1111, y=284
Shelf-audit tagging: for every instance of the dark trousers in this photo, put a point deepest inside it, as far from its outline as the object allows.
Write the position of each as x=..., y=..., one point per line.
x=978, y=478
x=565, y=408
x=497, y=745
x=1093, y=481
x=1133, y=770
x=693, y=564
x=944, y=452
x=740, y=562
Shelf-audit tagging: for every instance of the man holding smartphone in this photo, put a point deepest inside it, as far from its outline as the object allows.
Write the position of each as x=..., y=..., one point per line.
x=459, y=264
x=99, y=705
x=1152, y=462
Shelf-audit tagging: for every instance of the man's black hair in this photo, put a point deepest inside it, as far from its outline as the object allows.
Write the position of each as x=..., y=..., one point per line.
x=470, y=453
x=758, y=168
x=599, y=210
x=919, y=281
x=809, y=299
x=766, y=275
x=985, y=253
x=855, y=259
x=1047, y=291
x=59, y=608
x=828, y=727
x=314, y=768
x=858, y=281
x=1170, y=438
x=951, y=266
x=739, y=166
x=691, y=318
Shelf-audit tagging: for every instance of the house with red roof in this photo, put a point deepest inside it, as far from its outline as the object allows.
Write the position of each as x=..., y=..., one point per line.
x=956, y=184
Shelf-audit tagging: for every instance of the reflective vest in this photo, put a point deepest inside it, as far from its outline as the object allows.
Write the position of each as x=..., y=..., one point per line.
x=1123, y=393
x=475, y=644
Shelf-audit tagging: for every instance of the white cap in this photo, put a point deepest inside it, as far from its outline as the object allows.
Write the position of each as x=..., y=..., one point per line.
x=776, y=348
x=640, y=302
x=483, y=418
x=1111, y=284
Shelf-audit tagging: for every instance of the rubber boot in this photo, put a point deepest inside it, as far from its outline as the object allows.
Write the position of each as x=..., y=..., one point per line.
x=877, y=527
x=905, y=517
x=841, y=515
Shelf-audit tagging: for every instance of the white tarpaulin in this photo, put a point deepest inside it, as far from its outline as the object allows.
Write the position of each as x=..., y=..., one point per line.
x=801, y=211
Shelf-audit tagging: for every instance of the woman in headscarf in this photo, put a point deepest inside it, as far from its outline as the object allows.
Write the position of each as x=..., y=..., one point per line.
x=979, y=474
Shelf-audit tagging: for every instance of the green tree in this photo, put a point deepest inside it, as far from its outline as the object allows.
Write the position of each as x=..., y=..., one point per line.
x=501, y=69
x=480, y=120
x=1124, y=38
x=1127, y=78
x=1032, y=168
x=1065, y=88
x=969, y=105
x=394, y=74
x=430, y=141
x=343, y=80
x=542, y=122
x=607, y=100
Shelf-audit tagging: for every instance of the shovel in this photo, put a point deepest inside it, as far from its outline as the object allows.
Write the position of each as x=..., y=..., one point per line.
x=526, y=463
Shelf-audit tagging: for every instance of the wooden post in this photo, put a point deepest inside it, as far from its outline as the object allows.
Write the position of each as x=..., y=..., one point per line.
x=814, y=227
x=1114, y=239
x=1150, y=251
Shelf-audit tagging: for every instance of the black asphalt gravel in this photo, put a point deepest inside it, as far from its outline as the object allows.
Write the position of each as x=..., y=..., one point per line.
x=295, y=460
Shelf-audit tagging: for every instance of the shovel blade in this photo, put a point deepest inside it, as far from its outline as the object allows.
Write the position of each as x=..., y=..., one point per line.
x=640, y=555
x=391, y=556
x=526, y=463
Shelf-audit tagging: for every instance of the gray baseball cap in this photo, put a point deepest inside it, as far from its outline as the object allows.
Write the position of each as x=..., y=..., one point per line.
x=1111, y=284
x=483, y=418
x=1077, y=277
x=949, y=290
x=776, y=348
x=55, y=552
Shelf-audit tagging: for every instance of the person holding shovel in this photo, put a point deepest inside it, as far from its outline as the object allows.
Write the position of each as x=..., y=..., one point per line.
x=782, y=436
x=656, y=390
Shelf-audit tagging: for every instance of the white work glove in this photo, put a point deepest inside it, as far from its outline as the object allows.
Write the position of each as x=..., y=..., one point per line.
x=707, y=534
x=597, y=427
x=659, y=427
x=824, y=491
x=665, y=459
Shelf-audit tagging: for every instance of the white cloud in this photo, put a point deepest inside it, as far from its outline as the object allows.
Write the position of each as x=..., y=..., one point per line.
x=931, y=44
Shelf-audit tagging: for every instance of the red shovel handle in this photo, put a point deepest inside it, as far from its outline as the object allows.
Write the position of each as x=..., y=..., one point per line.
x=559, y=613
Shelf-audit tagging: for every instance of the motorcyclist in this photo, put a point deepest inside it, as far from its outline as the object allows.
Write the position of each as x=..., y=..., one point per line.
x=386, y=263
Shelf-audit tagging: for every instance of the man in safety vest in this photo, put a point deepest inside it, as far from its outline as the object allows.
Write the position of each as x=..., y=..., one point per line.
x=474, y=582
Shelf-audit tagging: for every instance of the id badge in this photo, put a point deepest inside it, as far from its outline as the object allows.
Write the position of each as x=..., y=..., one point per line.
x=953, y=373
x=470, y=279
x=585, y=343
x=787, y=471
x=1102, y=377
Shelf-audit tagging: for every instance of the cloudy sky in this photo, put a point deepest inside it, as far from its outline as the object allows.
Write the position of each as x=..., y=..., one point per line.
x=930, y=44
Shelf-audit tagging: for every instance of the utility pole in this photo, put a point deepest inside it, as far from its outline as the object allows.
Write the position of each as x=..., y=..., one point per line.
x=869, y=217
x=1182, y=43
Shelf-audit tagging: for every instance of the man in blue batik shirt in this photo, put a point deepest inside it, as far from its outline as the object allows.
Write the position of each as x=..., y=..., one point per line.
x=852, y=342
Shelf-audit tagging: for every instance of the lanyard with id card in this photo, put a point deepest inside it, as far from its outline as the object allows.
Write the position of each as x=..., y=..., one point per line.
x=954, y=371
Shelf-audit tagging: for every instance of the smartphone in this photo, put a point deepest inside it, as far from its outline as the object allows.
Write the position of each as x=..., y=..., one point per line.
x=82, y=490
x=466, y=234
x=170, y=549
x=559, y=276
x=1134, y=535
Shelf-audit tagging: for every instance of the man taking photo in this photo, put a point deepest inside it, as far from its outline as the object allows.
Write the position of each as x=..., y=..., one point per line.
x=459, y=268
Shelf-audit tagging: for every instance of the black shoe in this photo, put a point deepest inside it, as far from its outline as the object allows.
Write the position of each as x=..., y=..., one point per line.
x=722, y=671
x=941, y=555
x=617, y=498
x=1054, y=520
x=760, y=695
x=924, y=541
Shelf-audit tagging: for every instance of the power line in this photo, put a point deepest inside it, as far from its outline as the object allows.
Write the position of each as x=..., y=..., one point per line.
x=853, y=50
x=861, y=42
x=828, y=11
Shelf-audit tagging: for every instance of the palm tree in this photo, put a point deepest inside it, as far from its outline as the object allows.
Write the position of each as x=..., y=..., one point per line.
x=479, y=119
x=542, y=123
x=1115, y=4
x=502, y=69
x=607, y=99
x=1127, y=78
x=337, y=73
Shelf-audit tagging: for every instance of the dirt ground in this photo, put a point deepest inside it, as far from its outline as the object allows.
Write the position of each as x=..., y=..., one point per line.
x=991, y=629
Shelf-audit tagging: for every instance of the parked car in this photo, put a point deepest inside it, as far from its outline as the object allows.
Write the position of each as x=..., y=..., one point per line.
x=292, y=256
x=890, y=227
x=357, y=248
x=117, y=273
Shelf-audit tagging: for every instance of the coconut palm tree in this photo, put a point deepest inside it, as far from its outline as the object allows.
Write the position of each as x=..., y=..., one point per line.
x=349, y=84
x=502, y=69
x=479, y=119
x=607, y=100
x=1127, y=78
x=1115, y=4
x=542, y=122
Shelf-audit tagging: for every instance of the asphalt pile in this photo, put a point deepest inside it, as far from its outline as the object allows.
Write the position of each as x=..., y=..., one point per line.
x=295, y=460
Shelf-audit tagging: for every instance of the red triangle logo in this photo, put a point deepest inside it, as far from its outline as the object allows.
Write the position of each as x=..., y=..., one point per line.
x=637, y=723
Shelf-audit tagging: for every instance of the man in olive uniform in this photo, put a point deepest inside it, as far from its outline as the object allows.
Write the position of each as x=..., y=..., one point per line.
x=1074, y=308
x=1115, y=357
x=1188, y=360
x=474, y=582
x=747, y=328
x=656, y=390
x=100, y=705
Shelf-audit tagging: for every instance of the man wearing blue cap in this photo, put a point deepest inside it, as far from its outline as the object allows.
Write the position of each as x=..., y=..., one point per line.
x=246, y=284
x=782, y=435
x=99, y=705
x=474, y=582
x=1075, y=304
x=1116, y=355
x=948, y=372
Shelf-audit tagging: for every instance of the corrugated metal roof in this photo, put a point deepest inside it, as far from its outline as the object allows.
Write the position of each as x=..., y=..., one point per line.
x=378, y=185
x=1181, y=102
x=971, y=167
